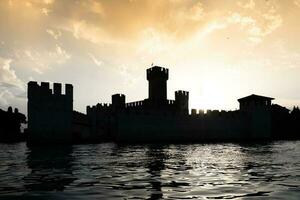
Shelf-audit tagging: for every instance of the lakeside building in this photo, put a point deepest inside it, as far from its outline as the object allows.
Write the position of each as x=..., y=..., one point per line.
x=51, y=118
x=10, y=128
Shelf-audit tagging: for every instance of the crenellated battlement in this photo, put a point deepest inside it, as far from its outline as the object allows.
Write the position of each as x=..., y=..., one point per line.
x=103, y=105
x=157, y=72
x=171, y=102
x=45, y=98
x=119, y=95
x=44, y=90
x=157, y=77
x=181, y=93
x=99, y=107
x=134, y=104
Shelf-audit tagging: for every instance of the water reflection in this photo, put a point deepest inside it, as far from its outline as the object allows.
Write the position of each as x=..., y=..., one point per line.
x=155, y=164
x=110, y=171
x=51, y=168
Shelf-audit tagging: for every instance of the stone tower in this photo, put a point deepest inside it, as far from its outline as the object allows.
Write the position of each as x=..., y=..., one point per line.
x=49, y=113
x=118, y=102
x=182, y=101
x=157, y=77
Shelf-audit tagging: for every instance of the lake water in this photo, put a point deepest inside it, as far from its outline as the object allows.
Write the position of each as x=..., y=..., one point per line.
x=191, y=171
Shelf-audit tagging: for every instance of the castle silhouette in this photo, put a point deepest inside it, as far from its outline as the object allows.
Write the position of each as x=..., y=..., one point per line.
x=51, y=118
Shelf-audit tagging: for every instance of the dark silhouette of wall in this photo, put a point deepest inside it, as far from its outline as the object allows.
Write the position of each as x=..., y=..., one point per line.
x=81, y=128
x=145, y=120
x=281, y=122
x=103, y=117
x=155, y=119
x=295, y=123
x=49, y=113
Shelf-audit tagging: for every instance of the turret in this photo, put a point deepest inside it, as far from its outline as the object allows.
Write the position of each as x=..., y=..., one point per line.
x=49, y=112
x=157, y=77
x=118, y=101
x=57, y=88
x=182, y=101
x=9, y=110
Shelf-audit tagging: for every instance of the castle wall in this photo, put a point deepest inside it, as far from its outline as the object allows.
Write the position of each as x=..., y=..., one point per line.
x=260, y=124
x=51, y=118
x=178, y=128
x=49, y=113
x=100, y=118
x=80, y=128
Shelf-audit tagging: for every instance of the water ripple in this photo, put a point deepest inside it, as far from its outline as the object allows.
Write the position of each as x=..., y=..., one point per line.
x=110, y=171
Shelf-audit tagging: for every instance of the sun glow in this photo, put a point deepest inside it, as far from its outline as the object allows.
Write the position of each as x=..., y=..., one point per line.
x=211, y=96
x=208, y=97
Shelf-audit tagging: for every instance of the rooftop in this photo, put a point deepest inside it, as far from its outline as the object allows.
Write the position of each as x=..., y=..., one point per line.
x=255, y=97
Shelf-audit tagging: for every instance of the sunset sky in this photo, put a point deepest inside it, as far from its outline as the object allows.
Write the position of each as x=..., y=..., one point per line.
x=219, y=50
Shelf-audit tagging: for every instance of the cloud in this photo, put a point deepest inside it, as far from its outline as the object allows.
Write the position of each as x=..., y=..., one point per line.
x=86, y=31
x=247, y=5
x=11, y=87
x=94, y=20
x=95, y=60
x=51, y=37
x=129, y=79
x=8, y=76
x=49, y=1
x=44, y=60
x=45, y=11
x=258, y=24
x=59, y=54
x=54, y=34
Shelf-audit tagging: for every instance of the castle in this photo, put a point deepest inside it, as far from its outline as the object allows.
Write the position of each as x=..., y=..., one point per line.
x=51, y=118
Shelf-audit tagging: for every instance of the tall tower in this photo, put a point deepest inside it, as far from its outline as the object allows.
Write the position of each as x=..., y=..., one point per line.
x=118, y=102
x=182, y=101
x=157, y=77
x=50, y=113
